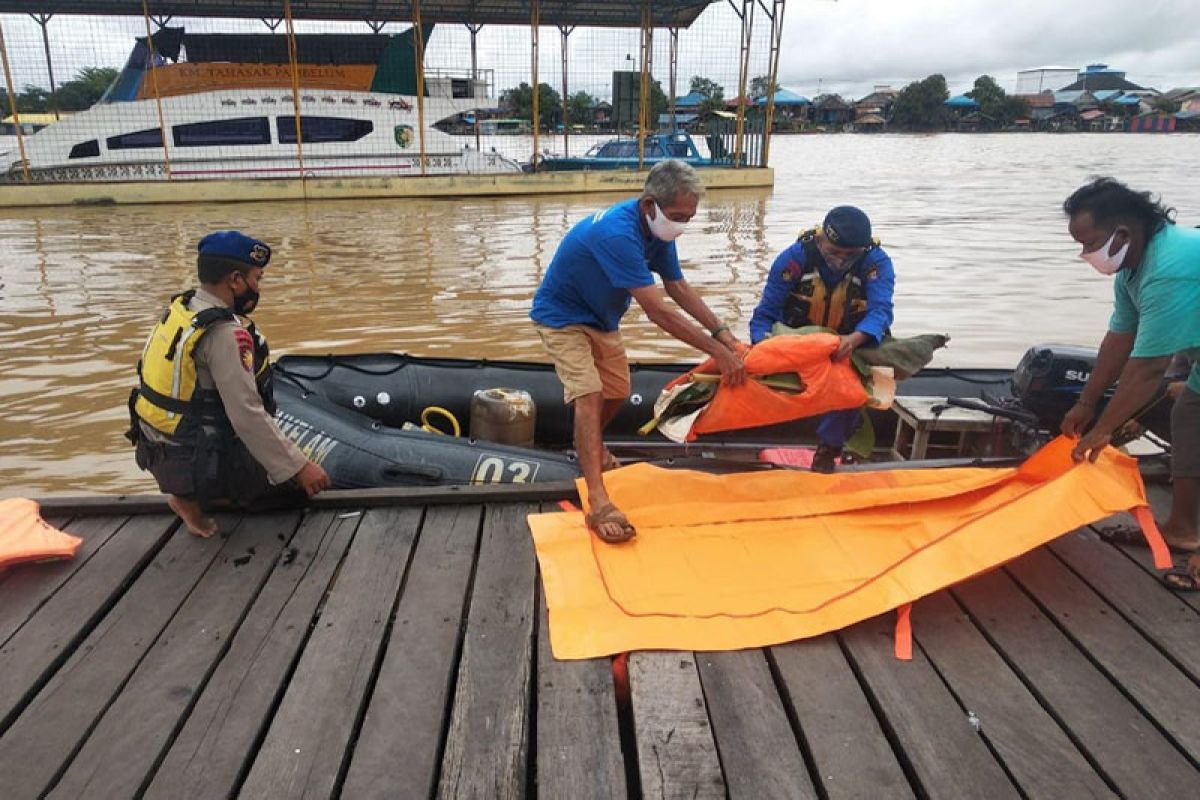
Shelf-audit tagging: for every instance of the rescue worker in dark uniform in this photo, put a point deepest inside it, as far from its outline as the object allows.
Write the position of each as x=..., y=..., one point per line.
x=835, y=276
x=202, y=414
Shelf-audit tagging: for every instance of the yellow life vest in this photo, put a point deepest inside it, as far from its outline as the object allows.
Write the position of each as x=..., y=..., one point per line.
x=813, y=302
x=169, y=392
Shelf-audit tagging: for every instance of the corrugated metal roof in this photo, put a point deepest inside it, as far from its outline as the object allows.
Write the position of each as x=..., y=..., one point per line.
x=784, y=97
x=961, y=101
x=594, y=13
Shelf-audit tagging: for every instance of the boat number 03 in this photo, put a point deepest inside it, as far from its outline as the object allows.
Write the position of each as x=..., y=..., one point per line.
x=493, y=469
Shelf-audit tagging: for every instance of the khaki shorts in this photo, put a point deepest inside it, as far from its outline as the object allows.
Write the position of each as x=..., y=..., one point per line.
x=587, y=361
x=1185, y=436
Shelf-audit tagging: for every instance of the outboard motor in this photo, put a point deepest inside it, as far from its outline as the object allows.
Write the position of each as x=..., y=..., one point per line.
x=1049, y=379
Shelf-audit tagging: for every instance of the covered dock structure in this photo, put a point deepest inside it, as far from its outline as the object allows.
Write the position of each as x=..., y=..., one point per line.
x=669, y=17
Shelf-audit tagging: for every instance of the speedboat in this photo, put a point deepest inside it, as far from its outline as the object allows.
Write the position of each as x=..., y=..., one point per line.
x=229, y=111
x=359, y=415
x=622, y=153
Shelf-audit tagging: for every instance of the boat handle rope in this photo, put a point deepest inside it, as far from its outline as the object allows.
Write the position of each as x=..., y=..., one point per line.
x=429, y=427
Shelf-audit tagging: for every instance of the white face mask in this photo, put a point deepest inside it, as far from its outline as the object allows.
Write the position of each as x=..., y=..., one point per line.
x=1104, y=263
x=668, y=230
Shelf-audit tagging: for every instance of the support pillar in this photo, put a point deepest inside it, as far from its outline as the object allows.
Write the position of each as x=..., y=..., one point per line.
x=674, y=72
x=566, y=121
x=419, y=48
x=43, y=20
x=534, y=22
x=772, y=76
x=162, y=123
x=474, y=30
x=12, y=106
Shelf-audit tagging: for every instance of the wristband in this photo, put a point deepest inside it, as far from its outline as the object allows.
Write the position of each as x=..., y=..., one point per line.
x=718, y=330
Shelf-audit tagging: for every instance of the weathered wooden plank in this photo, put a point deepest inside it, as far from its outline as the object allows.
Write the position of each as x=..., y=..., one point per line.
x=851, y=755
x=24, y=588
x=43, y=739
x=488, y=741
x=551, y=491
x=309, y=738
x=578, y=741
x=1161, y=616
x=122, y=750
x=1162, y=691
x=400, y=741
x=31, y=655
x=760, y=756
x=1122, y=744
x=1037, y=753
x=215, y=746
x=677, y=753
x=931, y=730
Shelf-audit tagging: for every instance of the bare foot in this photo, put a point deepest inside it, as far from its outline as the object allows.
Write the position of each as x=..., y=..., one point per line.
x=1179, y=539
x=198, y=524
x=608, y=461
x=610, y=524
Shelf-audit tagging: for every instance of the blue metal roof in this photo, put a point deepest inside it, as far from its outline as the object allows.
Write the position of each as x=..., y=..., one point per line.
x=1107, y=94
x=785, y=97
x=690, y=99
x=961, y=101
x=1129, y=100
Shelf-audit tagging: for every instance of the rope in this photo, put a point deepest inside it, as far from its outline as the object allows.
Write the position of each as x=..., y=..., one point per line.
x=162, y=125
x=291, y=40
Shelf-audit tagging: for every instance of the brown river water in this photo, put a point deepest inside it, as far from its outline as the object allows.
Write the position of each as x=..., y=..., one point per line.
x=972, y=222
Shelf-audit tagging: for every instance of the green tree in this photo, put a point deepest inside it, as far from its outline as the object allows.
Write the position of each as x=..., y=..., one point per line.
x=712, y=92
x=518, y=102
x=579, y=108
x=1165, y=105
x=761, y=87
x=33, y=99
x=88, y=86
x=658, y=102
x=995, y=105
x=919, y=107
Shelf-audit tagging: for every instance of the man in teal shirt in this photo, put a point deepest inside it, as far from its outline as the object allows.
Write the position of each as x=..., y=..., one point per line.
x=1156, y=314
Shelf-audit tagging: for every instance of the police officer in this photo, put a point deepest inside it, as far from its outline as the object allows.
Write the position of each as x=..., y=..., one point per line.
x=202, y=412
x=835, y=276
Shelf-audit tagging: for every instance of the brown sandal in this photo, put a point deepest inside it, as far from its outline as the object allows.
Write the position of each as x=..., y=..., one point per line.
x=609, y=516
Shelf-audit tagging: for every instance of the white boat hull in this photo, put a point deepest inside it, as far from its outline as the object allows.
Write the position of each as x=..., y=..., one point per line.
x=85, y=147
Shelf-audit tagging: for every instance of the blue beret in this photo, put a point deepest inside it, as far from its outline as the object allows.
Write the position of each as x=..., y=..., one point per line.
x=234, y=246
x=847, y=226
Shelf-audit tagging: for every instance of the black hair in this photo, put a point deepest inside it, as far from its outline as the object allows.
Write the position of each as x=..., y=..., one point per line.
x=211, y=269
x=1107, y=200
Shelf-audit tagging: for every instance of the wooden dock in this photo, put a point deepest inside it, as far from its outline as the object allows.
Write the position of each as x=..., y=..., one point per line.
x=401, y=651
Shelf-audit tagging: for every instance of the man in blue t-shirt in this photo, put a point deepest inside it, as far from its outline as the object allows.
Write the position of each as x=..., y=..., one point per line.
x=1156, y=314
x=834, y=276
x=605, y=262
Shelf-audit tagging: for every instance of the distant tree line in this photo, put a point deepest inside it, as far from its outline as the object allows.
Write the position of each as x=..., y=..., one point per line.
x=80, y=93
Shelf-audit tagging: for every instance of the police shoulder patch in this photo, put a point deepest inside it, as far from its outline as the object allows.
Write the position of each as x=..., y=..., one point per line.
x=245, y=345
x=872, y=273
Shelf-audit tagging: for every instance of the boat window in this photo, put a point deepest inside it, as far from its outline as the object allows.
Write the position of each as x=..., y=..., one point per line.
x=86, y=149
x=151, y=137
x=316, y=129
x=678, y=150
x=619, y=150
x=223, y=132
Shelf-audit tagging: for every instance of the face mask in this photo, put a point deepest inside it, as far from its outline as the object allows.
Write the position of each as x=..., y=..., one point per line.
x=835, y=263
x=668, y=230
x=1104, y=263
x=246, y=302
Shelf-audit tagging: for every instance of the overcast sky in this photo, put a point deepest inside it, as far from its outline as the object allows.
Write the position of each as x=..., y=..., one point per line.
x=845, y=46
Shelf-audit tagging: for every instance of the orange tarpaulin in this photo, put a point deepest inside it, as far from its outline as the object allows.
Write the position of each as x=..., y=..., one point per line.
x=829, y=385
x=25, y=536
x=723, y=562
